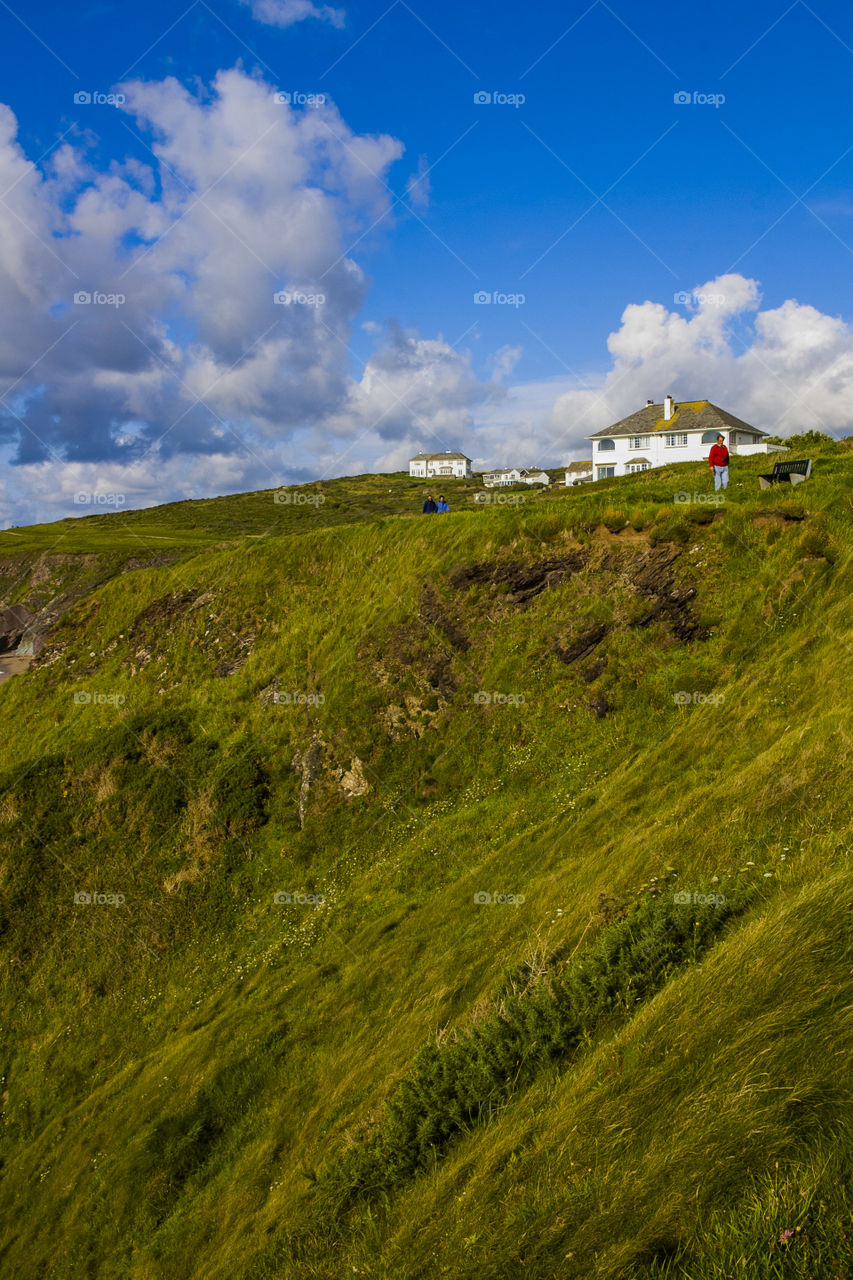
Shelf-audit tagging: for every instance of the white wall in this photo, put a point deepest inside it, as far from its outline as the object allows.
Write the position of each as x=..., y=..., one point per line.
x=659, y=454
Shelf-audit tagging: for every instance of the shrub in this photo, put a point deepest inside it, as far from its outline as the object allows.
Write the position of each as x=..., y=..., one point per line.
x=536, y=1019
x=614, y=520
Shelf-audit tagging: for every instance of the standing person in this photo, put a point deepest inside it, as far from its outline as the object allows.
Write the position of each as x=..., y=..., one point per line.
x=441, y=506
x=718, y=461
x=429, y=506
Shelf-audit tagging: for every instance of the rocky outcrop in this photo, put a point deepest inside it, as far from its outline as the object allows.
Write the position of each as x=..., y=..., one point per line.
x=14, y=622
x=521, y=582
x=315, y=766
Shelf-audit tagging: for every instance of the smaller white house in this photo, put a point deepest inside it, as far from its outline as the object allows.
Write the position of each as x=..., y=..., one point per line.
x=440, y=466
x=578, y=472
x=514, y=475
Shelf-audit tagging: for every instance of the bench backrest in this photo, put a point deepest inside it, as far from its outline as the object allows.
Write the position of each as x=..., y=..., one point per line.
x=801, y=468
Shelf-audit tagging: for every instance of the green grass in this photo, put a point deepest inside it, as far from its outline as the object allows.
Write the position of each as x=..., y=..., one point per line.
x=193, y=1075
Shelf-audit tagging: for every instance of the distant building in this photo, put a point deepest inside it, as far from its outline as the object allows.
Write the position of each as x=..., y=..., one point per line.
x=578, y=472
x=514, y=475
x=670, y=432
x=440, y=466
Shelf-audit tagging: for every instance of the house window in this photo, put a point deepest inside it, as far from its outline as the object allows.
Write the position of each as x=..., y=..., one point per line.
x=638, y=466
x=606, y=444
x=677, y=439
x=605, y=472
x=639, y=442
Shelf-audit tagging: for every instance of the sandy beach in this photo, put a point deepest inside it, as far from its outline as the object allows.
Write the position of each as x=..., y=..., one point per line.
x=12, y=664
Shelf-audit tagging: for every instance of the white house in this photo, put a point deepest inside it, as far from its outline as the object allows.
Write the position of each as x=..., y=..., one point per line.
x=442, y=466
x=670, y=432
x=514, y=475
x=578, y=472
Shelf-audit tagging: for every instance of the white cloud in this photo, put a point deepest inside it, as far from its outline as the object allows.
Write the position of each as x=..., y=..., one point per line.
x=418, y=186
x=285, y=13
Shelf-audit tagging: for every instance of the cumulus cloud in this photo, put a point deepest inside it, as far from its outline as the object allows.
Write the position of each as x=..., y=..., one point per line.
x=286, y=13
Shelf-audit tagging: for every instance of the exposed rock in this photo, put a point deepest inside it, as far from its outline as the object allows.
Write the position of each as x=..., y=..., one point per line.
x=315, y=765
x=228, y=666
x=353, y=782
x=524, y=581
x=654, y=577
x=306, y=765
x=583, y=646
x=13, y=624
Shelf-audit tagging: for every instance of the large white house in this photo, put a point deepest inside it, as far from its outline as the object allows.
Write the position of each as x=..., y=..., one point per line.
x=514, y=475
x=442, y=466
x=670, y=432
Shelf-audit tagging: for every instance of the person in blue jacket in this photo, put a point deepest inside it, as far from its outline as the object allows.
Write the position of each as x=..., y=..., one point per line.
x=429, y=506
x=441, y=505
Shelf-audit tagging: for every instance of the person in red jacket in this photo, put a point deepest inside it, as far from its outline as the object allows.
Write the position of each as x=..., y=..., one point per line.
x=718, y=461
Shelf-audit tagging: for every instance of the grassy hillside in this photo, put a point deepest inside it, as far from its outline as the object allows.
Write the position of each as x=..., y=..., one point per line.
x=433, y=897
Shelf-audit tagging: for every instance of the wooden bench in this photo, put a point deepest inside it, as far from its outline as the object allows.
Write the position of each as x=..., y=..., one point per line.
x=793, y=472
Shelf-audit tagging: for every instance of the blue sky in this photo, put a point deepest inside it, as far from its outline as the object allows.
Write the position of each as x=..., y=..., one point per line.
x=582, y=188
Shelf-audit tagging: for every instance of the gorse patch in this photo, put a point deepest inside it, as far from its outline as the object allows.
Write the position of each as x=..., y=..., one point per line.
x=537, y=1018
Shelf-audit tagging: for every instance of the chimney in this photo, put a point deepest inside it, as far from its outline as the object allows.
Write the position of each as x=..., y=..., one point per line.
x=668, y=408
x=649, y=403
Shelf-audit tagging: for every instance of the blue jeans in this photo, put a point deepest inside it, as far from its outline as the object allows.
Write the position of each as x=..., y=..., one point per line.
x=721, y=477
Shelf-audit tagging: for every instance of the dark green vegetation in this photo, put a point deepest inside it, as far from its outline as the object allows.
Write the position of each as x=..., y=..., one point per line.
x=462, y=896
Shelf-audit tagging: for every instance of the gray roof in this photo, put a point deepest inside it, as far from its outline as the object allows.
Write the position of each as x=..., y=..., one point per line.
x=693, y=415
x=445, y=457
x=579, y=466
x=630, y=460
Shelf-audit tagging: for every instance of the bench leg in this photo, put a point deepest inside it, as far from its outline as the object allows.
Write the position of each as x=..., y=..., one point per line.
x=796, y=478
x=764, y=482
